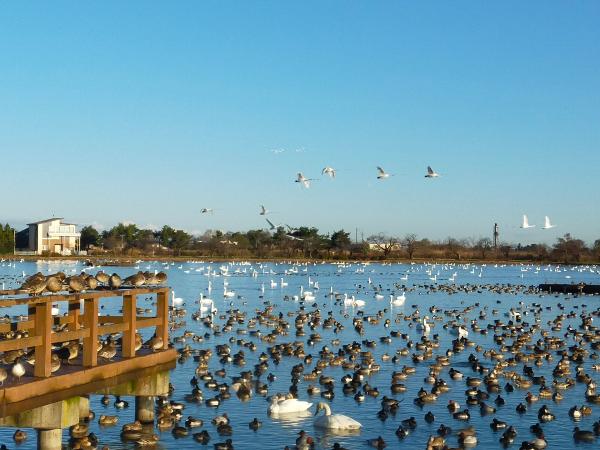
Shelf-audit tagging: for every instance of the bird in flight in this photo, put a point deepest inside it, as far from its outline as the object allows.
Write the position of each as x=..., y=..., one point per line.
x=329, y=171
x=206, y=210
x=525, y=223
x=547, y=224
x=431, y=173
x=271, y=226
x=382, y=174
x=264, y=211
x=303, y=180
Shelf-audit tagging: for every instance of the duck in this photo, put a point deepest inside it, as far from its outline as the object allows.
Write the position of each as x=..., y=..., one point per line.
x=377, y=443
x=179, y=431
x=583, y=435
x=108, y=420
x=334, y=421
x=192, y=422
x=436, y=443
x=462, y=415
x=255, y=424
x=120, y=403
x=19, y=436
x=148, y=441
x=496, y=424
x=203, y=437
x=227, y=445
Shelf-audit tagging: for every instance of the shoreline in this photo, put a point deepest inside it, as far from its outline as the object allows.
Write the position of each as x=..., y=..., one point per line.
x=128, y=260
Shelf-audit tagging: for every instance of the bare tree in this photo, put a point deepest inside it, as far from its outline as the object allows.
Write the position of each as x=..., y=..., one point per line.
x=384, y=243
x=483, y=245
x=410, y=243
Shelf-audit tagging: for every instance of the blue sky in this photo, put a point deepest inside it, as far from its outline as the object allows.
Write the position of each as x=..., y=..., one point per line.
x=150, y=111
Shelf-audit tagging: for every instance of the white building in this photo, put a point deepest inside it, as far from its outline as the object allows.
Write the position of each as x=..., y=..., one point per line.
x=54, y=236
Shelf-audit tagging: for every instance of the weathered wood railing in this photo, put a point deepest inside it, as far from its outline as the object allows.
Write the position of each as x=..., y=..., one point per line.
x=86, y=326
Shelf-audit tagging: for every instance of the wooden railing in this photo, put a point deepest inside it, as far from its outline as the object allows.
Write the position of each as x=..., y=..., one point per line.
x=86, y=325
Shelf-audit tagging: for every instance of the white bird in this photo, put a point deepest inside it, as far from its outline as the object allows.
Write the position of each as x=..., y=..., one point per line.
x=329, y=171
x=263, y=211
x=176, y=301
x=271, y=225
x=228, y=294
x=398, y=300
x=303, y=180
x=547, y=224
x=431, y=173
x=282, y=405
x=382, y=174
x=525, y=223
x=423, y=326
x=18, y=370
x=334, y=421
x=206, y=210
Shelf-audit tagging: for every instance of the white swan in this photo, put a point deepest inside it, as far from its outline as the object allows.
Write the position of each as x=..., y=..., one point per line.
x=423, y=326
x=282, y=405
x=547, y=224
x=525, y=223
x=228, y=294
x=207, y=305
x=176, y=301
x=399, y=300
x=334, y=421
x=460, y=331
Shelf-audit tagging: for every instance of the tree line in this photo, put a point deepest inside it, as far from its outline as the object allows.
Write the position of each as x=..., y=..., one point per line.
x=308, y=242
x=7, y=239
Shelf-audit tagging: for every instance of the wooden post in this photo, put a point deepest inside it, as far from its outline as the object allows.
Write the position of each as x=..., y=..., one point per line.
x=74, y=312
x=43, y=328
x=162, y=311
x=90, y=343
x=130, y=318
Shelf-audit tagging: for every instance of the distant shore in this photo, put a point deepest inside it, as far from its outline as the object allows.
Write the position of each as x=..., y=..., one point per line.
x=125, y=260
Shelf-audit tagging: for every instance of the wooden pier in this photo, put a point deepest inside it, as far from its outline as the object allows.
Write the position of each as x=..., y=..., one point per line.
x=49, y=401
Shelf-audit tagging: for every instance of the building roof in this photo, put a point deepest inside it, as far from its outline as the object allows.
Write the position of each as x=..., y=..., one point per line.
x=44, y=221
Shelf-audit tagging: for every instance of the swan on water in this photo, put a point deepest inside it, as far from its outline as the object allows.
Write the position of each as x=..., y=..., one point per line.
x=283, y=405
x=398, y=300
x=176, y=301
x=423, y=326
x=334, y=421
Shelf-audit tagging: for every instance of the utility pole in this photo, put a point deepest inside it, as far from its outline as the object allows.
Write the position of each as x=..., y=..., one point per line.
x=356, y=235
x=496, y=235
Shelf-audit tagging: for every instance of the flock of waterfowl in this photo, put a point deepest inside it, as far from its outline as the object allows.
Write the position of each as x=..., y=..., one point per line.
x=39, y=283
x=483, y=363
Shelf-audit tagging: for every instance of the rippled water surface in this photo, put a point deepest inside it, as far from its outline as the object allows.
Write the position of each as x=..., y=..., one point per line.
x=190, y=279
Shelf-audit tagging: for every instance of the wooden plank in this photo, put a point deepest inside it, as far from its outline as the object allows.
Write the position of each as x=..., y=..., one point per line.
x=129, y=318
x=70, y=335
x=110, y=319
x=162, y=313
x=24, y=325
x=145, y=322
x=15, y=344
x=43, y=329
x=114, y=328
x=90, y=323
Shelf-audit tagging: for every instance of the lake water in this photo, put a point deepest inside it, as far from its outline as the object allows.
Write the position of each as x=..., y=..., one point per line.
x=190, y=279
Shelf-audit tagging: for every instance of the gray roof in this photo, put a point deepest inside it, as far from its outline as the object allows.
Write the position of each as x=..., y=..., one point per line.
x=44, y=221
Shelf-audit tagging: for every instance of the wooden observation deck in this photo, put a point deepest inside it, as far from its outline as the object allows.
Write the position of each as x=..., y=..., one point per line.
x=36, y=336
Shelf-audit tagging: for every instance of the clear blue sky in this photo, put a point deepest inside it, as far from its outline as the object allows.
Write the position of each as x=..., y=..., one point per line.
x=149, y=111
